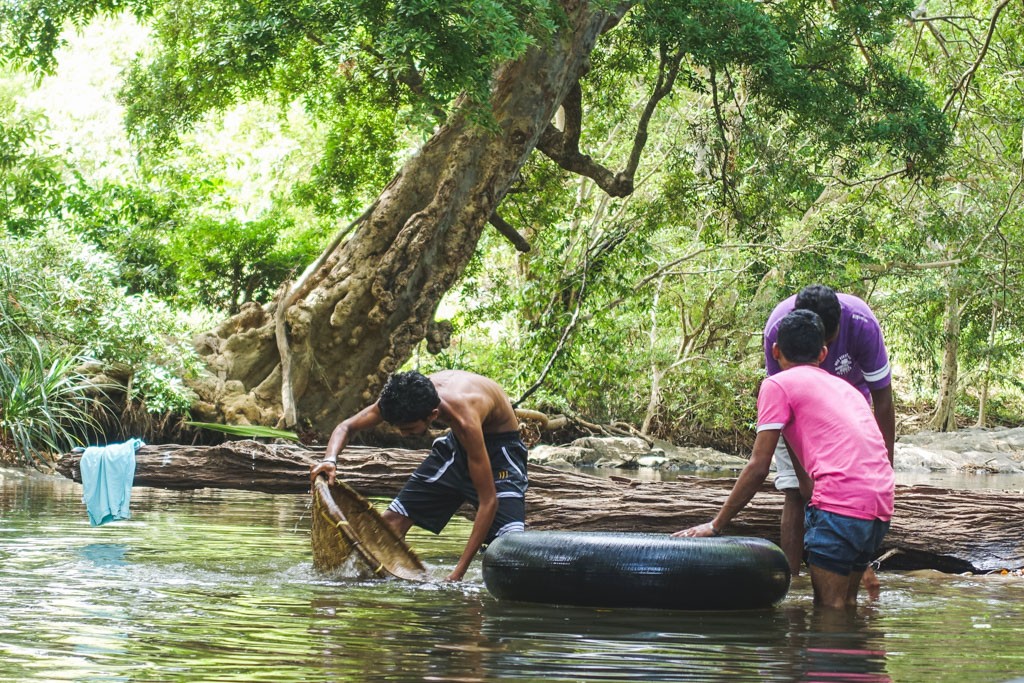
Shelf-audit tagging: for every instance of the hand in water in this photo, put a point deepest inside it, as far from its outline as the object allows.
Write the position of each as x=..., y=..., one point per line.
x=870, y=583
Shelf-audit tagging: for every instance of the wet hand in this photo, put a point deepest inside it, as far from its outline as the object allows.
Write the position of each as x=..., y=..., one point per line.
x=705, y=530
x=324, y=467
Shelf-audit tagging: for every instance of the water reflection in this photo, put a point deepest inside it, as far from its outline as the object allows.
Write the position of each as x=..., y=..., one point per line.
x=218, y=586
x=840, y=646
x=791, y=643
x=105, y=554
x=963, y=480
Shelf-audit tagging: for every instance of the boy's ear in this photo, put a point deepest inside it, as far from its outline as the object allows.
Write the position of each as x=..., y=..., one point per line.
x=821, y=356
x=776, y=353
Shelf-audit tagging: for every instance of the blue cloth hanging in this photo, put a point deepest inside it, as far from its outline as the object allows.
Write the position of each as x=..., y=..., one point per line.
x=107, y=476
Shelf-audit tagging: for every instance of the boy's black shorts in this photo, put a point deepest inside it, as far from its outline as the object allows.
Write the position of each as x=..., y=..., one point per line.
x=441, y=484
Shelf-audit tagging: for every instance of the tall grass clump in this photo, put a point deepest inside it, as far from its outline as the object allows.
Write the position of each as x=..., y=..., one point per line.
x=79, y=356
x=44, y=399
x=44, y=404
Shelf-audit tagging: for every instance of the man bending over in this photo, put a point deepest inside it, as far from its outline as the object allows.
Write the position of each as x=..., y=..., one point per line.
x=857, y=354
x=482, y=459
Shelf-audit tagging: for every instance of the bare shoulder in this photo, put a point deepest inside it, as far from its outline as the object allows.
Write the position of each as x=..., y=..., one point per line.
x=458, y=386
x=469, y=396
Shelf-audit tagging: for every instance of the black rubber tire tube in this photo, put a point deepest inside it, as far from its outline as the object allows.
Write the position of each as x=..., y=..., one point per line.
x=606, y=569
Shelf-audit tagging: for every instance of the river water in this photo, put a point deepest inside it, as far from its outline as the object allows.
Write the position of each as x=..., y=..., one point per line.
x=218, y=586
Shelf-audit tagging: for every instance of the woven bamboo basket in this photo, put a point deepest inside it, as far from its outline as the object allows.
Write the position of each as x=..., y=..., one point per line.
x=348, y=531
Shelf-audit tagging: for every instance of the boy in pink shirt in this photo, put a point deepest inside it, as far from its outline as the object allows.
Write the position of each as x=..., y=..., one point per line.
x=843, y=463
x=856, y=353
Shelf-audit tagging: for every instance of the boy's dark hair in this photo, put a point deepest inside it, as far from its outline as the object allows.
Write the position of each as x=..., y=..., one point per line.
x=801, y=336
x=407, y=397
x=823, y=301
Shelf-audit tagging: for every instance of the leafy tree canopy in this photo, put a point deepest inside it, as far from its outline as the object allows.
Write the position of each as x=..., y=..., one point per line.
x=826, y=64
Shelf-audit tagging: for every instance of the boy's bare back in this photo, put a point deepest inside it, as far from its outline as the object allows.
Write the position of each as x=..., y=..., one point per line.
x=466, y=395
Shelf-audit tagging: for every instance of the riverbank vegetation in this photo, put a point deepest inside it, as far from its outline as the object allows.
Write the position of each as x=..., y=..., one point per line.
x=175, y=182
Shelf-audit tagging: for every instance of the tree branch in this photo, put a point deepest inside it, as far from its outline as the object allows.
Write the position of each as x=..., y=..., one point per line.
x=289, y=414
x=856, y=38
x=668, y=71
x=562, y=147
x=566, y=333
x=510, y=233
x=720, y=121
x=968, y=76
x=997, y=226
x=934, y=265
x=935, y=34
x=661, y=270
x=874, y=179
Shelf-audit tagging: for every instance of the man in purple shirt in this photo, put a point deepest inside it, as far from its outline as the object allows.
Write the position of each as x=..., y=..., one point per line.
x=856, y=353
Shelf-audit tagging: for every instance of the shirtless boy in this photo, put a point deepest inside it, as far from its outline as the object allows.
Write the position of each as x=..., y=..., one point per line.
x=841, y=459
x=482, y=459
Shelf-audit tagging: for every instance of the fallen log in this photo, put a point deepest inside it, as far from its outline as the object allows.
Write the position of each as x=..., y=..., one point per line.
x=934, y=528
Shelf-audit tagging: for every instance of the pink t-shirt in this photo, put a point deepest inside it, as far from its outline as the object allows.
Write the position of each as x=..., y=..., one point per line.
x=833, y=433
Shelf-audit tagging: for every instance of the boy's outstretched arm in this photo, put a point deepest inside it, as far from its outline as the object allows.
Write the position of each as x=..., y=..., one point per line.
x=748, y=483
x=366, y=418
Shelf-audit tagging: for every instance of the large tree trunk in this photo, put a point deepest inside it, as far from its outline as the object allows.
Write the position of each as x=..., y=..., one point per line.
x=360, y=315
x=953, y=531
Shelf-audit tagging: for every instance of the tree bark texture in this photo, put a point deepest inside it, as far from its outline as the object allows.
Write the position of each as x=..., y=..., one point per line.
x=373, y=299
x=934, y=528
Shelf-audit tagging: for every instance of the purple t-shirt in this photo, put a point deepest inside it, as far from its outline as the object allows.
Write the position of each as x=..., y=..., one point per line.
x=857, y=354
x=834, y=436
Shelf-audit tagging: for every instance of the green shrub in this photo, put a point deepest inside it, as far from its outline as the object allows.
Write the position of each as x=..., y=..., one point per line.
x=44, y=404
x=66, y=329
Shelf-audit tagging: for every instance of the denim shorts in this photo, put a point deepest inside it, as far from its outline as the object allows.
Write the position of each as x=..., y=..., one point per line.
x=839, y=543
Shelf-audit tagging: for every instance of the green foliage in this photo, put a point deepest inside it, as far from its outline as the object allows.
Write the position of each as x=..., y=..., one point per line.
x=32, y=187
x=224, y=264
x=795, y=59
x=361, y=147
x=177, y=235
x=61, y=296
x=32, y=31
x=213, y=54
x=134, y=225
x=803, y=142
x=44, y=404
x=757, y=186
x=44, y=397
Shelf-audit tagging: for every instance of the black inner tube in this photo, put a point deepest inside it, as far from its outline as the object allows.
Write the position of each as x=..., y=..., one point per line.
x=605, y=569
